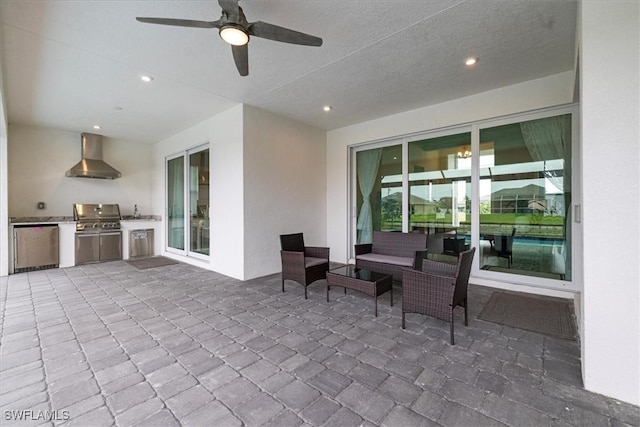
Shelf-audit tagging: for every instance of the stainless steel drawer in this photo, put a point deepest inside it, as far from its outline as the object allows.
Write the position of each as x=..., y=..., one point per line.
x=141, y=243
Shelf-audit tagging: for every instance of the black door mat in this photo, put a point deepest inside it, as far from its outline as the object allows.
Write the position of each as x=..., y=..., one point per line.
x=544, y=315
x=158, y=261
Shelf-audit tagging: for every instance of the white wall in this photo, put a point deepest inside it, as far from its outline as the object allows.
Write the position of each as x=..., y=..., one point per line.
x=39, y=157
x=284, y=187
x=535, y=94
x=4, y=198
x=223, y=132
x=610, y=103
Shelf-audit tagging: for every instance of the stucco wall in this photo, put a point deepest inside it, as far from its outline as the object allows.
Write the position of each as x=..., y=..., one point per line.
x=223, y=133
x=39, y=157
x=267, y=177
x=610, y=104
x=550, y=91
x=4, y=197
x=284, y=187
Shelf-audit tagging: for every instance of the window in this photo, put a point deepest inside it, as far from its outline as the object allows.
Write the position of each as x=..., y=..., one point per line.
x=440, y=192
x=440, y=183
x=525, y=194
x=188, y=203
x=502, y=186
x=175, y=203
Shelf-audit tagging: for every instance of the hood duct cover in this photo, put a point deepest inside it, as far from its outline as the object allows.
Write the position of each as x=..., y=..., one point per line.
x=92, y=165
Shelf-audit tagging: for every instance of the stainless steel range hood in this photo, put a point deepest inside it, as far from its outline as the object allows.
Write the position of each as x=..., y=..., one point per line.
x=92, y=165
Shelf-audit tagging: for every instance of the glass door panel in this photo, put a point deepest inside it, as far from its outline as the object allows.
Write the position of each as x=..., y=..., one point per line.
x=525, y=197
x=175, y=203
x=199, y=201
x=440, y=197
x=379, y=191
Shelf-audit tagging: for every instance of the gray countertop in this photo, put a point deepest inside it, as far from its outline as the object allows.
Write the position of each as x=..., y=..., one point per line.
x=69, y=219
x=142, y=218
x=40, y=219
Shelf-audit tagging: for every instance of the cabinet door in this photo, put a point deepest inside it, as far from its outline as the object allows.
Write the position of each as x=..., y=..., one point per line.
x=87, y=248
x=110, y=246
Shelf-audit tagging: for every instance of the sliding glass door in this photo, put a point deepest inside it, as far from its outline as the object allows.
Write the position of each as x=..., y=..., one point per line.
x=501, y=186
x=199, y=202
x=175, y=203
x=440, y=192
x=188, y=203
x=525, y=195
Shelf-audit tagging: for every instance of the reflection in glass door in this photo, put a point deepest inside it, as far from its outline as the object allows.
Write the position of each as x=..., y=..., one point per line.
x=175, y=203
x=440, y=193
x=525, y=198
x=199, y=201
x=188, y=198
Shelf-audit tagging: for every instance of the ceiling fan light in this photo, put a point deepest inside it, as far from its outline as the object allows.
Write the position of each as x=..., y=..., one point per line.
x=234, y=35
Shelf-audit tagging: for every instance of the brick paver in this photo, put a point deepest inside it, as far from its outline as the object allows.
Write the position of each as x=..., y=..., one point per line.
x=107, y=344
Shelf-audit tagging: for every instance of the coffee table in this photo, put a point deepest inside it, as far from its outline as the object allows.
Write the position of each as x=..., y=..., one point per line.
x=368, y=282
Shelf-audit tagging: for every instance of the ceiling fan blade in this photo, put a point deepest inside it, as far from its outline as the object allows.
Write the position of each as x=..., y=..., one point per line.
x=181, y=22
x=241, y=57
x=281, y=34
x=231, y=8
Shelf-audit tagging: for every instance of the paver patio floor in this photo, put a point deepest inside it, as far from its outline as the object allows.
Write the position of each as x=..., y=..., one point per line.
x=107, y=344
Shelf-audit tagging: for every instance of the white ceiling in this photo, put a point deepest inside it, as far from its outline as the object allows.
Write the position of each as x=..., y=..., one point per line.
x=71, y=64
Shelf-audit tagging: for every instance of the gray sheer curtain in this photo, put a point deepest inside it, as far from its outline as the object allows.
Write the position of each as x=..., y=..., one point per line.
x=550, y=139
x=368, y=163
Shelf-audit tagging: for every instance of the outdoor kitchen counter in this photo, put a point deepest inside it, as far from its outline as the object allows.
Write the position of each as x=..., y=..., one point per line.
x=67, y=230
x=69, y=219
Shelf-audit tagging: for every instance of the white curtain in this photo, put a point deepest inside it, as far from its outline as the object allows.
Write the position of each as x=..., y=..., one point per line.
x=549, y=139
x=368, y=163
x=546, y=139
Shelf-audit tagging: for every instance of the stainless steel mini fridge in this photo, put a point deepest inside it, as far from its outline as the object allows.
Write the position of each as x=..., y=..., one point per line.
x=35, y=247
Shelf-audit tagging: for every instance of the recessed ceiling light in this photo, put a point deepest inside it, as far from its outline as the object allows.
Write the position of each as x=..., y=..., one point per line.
x=97, y=127
x=146, y=79
x=473, y=60
x=327, y=108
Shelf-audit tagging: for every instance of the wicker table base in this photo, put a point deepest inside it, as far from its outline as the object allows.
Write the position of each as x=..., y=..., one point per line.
x=366, y=281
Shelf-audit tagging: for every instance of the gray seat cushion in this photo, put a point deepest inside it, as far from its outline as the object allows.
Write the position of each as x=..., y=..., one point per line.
x=312, y=261
x=387, y=259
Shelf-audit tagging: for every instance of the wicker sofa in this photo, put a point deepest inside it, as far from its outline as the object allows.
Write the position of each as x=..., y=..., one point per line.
x=390, y=252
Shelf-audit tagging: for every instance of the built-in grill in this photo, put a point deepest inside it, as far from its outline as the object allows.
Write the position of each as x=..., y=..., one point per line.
x=98, y=235
x=96, y=217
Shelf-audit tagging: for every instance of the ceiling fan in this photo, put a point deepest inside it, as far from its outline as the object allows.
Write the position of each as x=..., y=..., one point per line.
x=236, y=30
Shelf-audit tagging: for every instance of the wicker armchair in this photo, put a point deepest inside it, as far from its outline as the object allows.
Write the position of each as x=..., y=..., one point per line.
x=438, y=289
x=300, y=263
x=503, y=246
